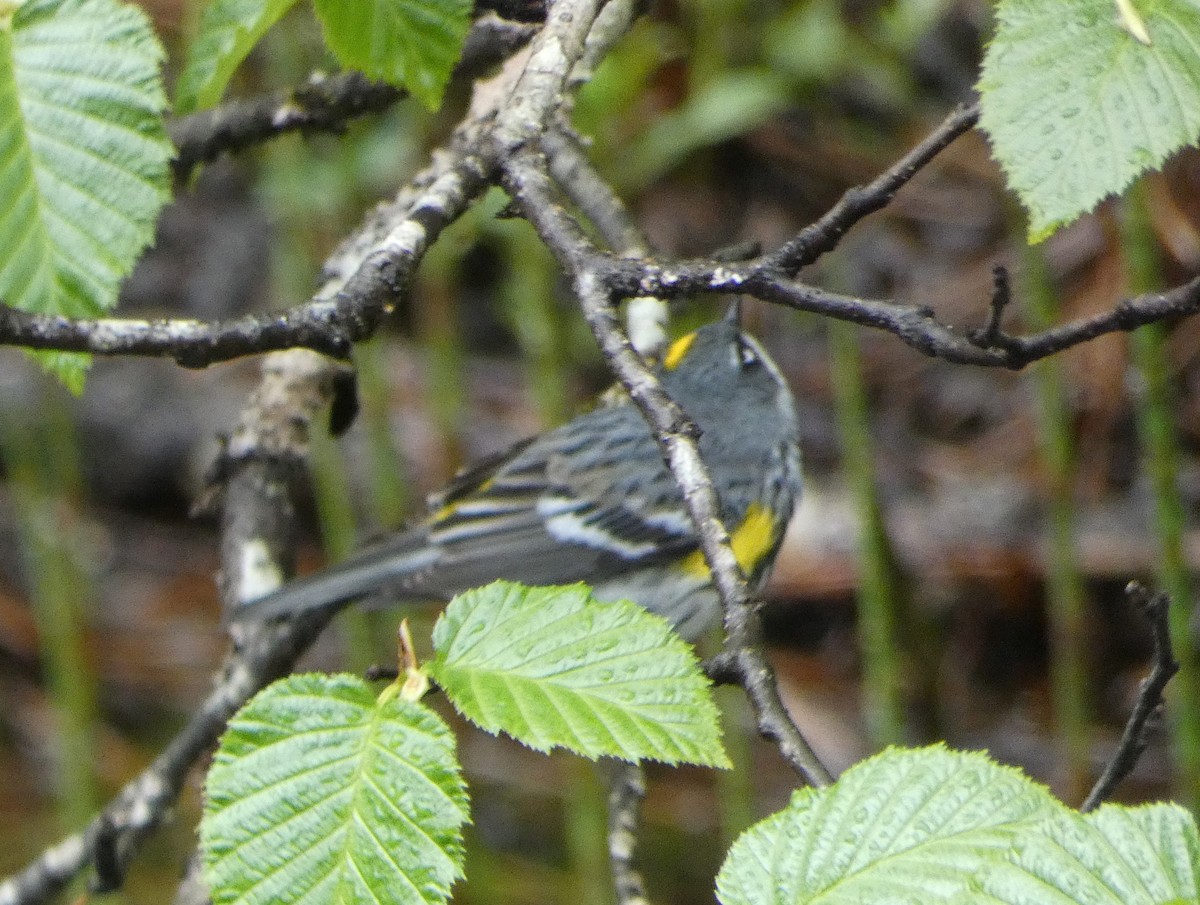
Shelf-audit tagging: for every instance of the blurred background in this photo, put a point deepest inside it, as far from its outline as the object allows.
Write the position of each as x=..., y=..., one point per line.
x=956, y=569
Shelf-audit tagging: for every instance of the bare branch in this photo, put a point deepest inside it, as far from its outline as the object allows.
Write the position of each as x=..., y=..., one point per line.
x=856, y=203
x=919, y=327
x=1154, y=607
x=325, y=103
x=318, y=326
x=362, y=278
x=117, y=832
x=591, y=193
x=627, y=789
x=992, y=333
x=645, y=316
x=328, y=323
x=331, y=328
x=538, y=91
x=528, y=183
x=677, y=436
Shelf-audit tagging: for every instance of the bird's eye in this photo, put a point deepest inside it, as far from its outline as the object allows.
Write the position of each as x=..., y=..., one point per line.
x=746, y=354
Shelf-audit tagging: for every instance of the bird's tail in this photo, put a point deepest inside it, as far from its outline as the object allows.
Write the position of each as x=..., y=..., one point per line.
x=374, y=570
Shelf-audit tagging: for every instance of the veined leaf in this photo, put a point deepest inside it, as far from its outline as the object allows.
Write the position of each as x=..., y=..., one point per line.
x=229, y=29
x=83, y=153
x=553, y=667
x=323, y=794
x=413, y=44
x=1077, y=106
x=901, y=827
x=1114, y=856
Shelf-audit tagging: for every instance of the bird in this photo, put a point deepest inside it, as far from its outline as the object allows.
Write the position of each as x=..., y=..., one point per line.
x=593, y=500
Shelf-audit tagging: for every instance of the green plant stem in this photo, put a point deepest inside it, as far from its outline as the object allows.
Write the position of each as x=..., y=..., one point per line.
x=735, y=787
x=1156, y=425
x=587, y=832
x=883, y=683
x=46, y=484
x=1066, y=602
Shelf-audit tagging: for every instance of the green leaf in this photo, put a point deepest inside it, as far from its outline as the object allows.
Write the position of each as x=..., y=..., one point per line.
x=1114, y=856
x=554, y=667
x=904, y=826
x=83, y=154
x=1077, y=107
x=322, y=793
x=229, y=29
x=413, y=44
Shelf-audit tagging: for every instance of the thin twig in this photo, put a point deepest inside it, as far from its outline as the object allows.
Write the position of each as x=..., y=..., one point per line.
x=330, y=328
x=1155, y=608
x=328, y=323
x=627, y=789
x=259, y=461
x=145, y=802
x=528, y=183
x=324, y=103
x=363, y=277
x=856, y=203
x=591, y=193
x=992, y=335
x=645, y=316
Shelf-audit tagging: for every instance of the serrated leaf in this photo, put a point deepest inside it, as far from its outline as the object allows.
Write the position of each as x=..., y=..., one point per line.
x=83, y=153
x=1077, y=107
x=553, y=667
x=229, y=29
x=1113, y=856
x=319, y=792
x=413, y=44
x=904, y=826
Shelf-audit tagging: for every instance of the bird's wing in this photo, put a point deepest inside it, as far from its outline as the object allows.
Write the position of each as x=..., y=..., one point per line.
x=583, y=502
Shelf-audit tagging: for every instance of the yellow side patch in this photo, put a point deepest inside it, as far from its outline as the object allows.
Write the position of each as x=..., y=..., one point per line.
x=751, y=541
x=678, y=350
x=449, y=509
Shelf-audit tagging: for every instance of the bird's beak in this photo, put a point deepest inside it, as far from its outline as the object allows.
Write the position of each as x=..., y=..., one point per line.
x=734, y=314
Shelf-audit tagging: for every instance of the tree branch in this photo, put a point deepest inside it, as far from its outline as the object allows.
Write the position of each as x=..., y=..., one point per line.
x=527, y=181
x=918, y=326
x=591, y=193
x=627, y=789
x=856, y=203
x=331, y=328
x=677, y=437
x=362, y=278
x=329, y=322
x=1155, y=608
x=254, y=522
x=325, y=103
